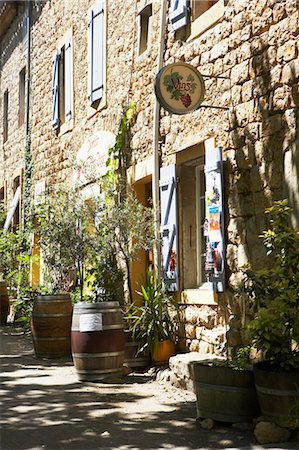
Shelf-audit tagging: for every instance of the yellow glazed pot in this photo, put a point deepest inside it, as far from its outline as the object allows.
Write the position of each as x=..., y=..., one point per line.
x=163, y=352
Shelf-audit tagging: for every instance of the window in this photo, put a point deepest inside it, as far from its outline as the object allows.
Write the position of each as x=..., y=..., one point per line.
x=200, y=15
x=17, y=213
x=192, y=228
x=2, y=196
x=145, y=26
x=96, y=55
x=198, y=8
x=62, y=85
x=204, y=15
x=192, y=193
x=22, y=90
x=5, y=116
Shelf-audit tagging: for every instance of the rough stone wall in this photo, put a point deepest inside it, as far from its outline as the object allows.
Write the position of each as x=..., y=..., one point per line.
x=53, y=153
x=12, y=61
x=255, y=46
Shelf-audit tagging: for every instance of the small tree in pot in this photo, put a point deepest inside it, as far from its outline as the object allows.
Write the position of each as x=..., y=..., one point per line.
x=274, y=293
x=60, y=220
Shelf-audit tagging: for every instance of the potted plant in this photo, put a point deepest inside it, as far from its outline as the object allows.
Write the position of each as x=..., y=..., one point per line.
x=59, y=221
x=274, y=331
x=153, y=323
x=120, y=229
x=14, y=271
x=225, y=389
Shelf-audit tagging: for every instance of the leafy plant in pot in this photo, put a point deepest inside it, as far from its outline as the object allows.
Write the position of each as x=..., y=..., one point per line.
x=121, y=229
x=274, y=331
x=153, y=323
x=225, y=388
x=15, y=263
x=59, y=221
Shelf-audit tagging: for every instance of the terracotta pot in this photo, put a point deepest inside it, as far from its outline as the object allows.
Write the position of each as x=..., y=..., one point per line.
x=163, y=352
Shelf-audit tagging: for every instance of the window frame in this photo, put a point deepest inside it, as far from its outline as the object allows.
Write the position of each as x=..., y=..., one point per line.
x=5, y=115
x=207, y=19
x=96, y=106
x=66, y=85
x=22, y=97
x=145, y=18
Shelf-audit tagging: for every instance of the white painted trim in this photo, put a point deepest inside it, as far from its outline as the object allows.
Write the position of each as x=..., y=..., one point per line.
x=12, y=209
x=140, y=170
x=206, y=20
x=200, y=296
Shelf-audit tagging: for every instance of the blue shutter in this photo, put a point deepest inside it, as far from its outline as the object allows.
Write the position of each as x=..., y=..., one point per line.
x=95, y=53
x=215, y=251
x=68, y=92
x=55, y=90
x=169, y=229
x=179, y=14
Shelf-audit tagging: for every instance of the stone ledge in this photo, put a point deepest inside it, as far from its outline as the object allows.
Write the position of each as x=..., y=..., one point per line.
x=179, y=372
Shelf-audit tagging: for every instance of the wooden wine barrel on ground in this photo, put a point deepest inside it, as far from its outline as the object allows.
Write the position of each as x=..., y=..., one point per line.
x=97, y=340
x=224, y=394
x=51, y=325
x=4, y=303
x=277, y=392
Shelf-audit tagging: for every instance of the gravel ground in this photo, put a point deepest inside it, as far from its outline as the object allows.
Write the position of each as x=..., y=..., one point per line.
x=44, y=406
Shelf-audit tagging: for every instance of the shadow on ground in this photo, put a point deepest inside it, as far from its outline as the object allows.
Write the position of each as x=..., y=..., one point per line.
x=45, y=407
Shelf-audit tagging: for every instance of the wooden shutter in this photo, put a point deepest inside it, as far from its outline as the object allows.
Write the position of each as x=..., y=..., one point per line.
x=179, y=14
x=169, y=229
x=12, y=209
x=55, y=90
x=215, y=252
x=95, y=53
x=68, y=92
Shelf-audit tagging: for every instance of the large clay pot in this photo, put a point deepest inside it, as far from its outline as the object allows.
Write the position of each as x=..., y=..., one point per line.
x=51, y=325
x=223, y=393
x=4, y=303
x=277, y=392
x=98, y=340
x=163, y=352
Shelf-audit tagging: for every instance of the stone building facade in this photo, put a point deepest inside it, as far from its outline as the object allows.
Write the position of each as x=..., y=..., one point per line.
x=247, y=52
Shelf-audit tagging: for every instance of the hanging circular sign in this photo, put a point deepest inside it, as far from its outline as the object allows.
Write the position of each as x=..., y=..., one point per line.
x=179, y=88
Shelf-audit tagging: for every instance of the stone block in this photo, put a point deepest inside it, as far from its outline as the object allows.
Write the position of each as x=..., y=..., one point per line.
x=240, y=73
x=245, y=113
x=219, y=50
x=270, y=433
x=282, y=98
x=279, y=12
x=190, y=331
x=207, y=316
x=194, y=345
x=236, y=231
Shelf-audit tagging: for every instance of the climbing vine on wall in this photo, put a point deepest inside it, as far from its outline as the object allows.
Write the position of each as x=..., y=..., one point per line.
x=118, y=154
x=27, y=179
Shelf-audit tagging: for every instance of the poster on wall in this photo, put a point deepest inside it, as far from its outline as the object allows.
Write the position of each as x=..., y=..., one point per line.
x=214, y=223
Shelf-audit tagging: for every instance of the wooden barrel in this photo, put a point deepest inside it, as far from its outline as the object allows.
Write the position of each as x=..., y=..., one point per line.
x=51, y=325
x=277, y=393
x=4, y=302
x=134, y=359
x=224, y=394
x=97, y=340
